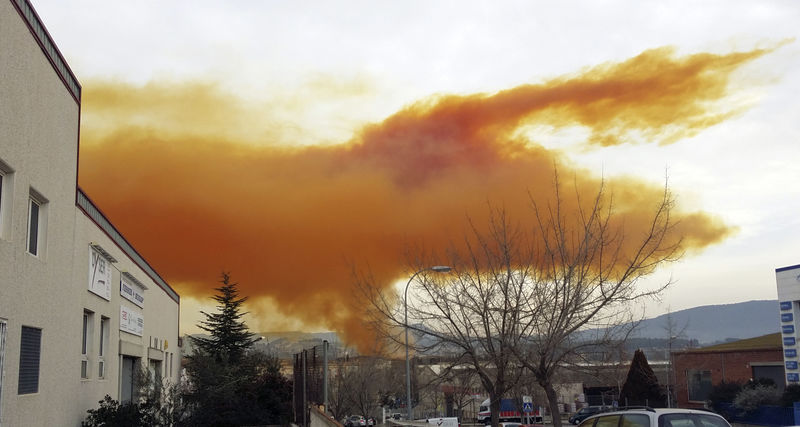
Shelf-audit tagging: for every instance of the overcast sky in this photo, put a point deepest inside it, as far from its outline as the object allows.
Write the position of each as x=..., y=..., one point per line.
x=355, y=63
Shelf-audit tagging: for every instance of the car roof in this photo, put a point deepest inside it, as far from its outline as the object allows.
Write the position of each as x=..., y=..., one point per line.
x=655, y=411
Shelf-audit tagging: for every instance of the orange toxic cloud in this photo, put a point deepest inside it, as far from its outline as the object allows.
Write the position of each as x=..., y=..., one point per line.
x=196, y=179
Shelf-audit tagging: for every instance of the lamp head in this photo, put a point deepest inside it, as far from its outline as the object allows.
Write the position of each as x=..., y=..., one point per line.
x=441, y=268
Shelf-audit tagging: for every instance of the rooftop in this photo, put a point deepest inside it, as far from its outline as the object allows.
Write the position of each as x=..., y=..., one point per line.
x=764, y=342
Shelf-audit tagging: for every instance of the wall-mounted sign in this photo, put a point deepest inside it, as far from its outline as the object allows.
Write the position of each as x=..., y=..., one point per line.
x=99, y=274
x=787, y=329
x=792, y=378
x=130, y=321
x=788, y=341
x=790, y=352
x=786, y=317
x=786, y=305
x=792, y=365
x=131, y=291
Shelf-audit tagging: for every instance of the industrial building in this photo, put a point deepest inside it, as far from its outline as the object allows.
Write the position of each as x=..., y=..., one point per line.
x=788, y=281
x=80, y=309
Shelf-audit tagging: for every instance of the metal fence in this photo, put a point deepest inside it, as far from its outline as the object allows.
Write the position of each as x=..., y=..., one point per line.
x=310, y=381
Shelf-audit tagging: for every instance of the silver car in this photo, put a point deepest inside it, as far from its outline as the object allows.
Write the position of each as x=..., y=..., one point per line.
x=662, y=417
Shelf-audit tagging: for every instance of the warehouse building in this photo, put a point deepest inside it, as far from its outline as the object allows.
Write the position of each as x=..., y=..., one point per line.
x=80, y=309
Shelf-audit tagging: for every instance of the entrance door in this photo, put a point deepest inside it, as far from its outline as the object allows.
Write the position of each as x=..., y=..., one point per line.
x=127, y=381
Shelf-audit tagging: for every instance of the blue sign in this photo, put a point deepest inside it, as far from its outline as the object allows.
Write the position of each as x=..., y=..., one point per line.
x=791, y=364
x=790, y=352
x=786, y=317
x=788, y=341
x=788, y=329
x=786, y=305
x=527, y=407
x=793, y=378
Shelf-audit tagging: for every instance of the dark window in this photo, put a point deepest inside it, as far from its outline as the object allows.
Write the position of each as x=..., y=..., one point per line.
x=699, y=385
x=607, y=421
x=85, y=333
x=33, y=227
x=635, y=420
x=30, y=348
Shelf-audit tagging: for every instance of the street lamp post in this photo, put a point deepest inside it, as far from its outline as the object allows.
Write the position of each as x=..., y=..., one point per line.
x=438, y=269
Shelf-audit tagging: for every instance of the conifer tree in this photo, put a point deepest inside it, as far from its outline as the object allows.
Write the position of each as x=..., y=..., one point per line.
x=229, y=385
x=641, y=387
x=230, y=337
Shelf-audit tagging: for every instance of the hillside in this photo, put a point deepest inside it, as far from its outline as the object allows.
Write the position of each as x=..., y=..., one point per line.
x=710, y=324
x=698, y=326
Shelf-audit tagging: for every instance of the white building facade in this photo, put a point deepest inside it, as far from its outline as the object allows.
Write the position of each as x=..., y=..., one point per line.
x=788, y=279
x=80, y=309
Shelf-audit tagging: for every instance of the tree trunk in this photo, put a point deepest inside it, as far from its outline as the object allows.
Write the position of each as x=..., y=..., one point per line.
x=552, y=399
x=494, y=405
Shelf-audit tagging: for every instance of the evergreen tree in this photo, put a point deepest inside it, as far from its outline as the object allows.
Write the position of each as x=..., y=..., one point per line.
x=230, y=337
x=641, y=387
x=229, y=385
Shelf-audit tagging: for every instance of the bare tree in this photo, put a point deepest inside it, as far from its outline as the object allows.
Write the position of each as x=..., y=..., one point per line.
x=673, y=332
x=363, y=385
x=339, y=399
x=471, y=314
x=532, y=298
x=586, y=277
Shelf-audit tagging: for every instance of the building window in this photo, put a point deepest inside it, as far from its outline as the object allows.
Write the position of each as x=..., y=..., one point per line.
x=104, y=331
x=86, y=342
x=37, y=222
x=29, y=355
x=699, y=385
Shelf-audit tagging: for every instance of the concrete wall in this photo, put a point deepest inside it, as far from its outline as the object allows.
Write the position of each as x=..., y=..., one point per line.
x=39, y=140
x=39, y=121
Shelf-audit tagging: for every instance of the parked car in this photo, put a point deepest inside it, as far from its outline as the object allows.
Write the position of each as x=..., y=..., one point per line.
x=586, y=412
x=356, y=421
x=662, y=417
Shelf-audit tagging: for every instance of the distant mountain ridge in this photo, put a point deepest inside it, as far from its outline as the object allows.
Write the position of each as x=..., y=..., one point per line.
x=711, y=324
x=708, y=324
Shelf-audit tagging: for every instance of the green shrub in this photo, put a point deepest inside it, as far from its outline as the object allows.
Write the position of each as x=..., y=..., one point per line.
x=753, y=396
x=111, y=413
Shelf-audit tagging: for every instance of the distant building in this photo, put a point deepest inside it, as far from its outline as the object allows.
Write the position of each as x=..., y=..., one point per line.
x=788, y=280
x=80, y=309
x=697, y=371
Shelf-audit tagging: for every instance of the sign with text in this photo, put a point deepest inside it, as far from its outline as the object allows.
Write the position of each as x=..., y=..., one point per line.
x=131, y=291
x=99, y=275
x=130, y=321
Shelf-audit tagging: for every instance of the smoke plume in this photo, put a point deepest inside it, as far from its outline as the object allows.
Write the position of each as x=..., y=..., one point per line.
x=194, y=177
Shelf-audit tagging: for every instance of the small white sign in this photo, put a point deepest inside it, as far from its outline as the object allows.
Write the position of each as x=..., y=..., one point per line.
x=130, y=321
x=99, y=275
x=131, y=291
